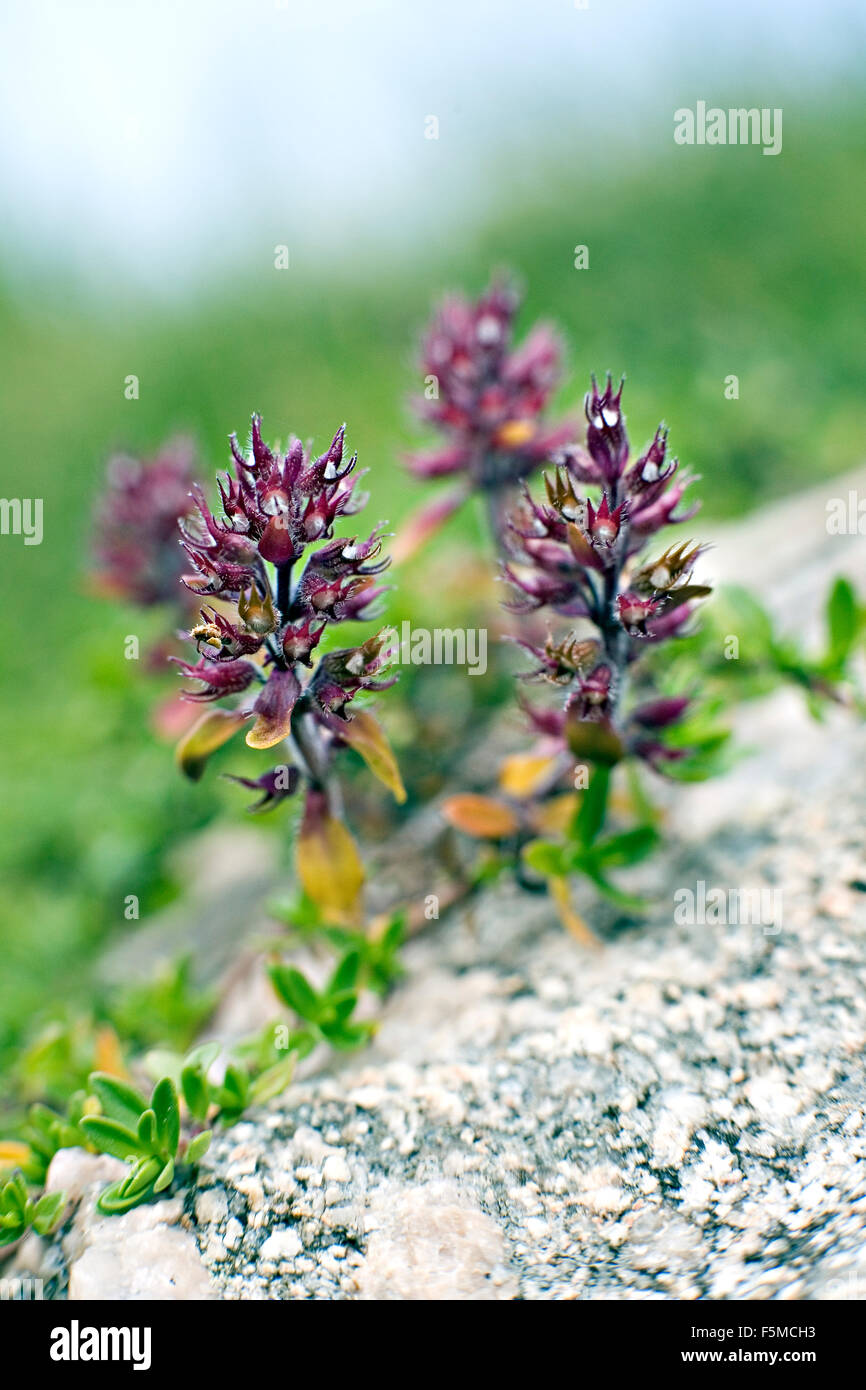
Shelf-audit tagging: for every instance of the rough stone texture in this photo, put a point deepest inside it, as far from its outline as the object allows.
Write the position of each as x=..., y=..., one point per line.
x=680, y=1115
x=144, y=1254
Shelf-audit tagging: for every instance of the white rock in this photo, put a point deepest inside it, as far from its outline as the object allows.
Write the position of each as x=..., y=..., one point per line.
x=336, y=1169
x=139, y=1255
x=432, y=1243
x=211, y=1206
x=280, y=1245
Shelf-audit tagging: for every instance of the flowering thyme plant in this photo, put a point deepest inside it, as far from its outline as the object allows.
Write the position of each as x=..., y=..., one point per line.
x=281, y=580
x=587, y=559
x=589, y=554
x=590, y=561
x=487, y=400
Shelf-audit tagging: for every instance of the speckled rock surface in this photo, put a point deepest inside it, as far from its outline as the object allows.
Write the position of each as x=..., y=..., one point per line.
x=682, y=1114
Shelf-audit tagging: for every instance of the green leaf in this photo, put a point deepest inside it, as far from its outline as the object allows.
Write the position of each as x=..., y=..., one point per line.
x=113, y=1201
x=161, y=1061
x=48, y=1211
x=342, y=1006
x=164, y=1102
x=753, y=623
x=147, y=1130
x=142, y=1177
x=347, y=1036
x=117, y=1100
x=272, y=1081
x=165, y=1177
x=13, y=1196
x=394, y=934
x=592, y=807
x=545, y=858
x=196, y=1091
x=203, y=1056
x=110, y=1137
x=235, y=1088
x=295, y=991
x=627, y=902
x=198, y=1147
x=346, y=974
x=628, y=848
x=843, y=624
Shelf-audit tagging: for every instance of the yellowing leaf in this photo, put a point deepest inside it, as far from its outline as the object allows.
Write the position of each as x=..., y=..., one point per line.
x=592, y=739
x=523, y=773
x=207, y=734
x=481, y=816
x=554, y=817
x=13, y=1154
x=365, y=734
x=107, y=1056
x=570, y=919
x=273, y=709
x=329, y=866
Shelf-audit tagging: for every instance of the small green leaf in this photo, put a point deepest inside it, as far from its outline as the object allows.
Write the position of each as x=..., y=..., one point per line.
x=13, y=1196
x=628, y=848
x=627, y=902
x=160, y=1062
x=142, y=1177
x=235, y=1088
x=272, y=1081
x=592, y=807
x=198, y=1147
x=196, y=1092
x=346, y=1036
x=346, y=974
x=394, y=933
x=843, y=623
x=203, y=1056
x=48, y=1211
x=343, y=1005
x=112, y=1200
x=117, y=1100
x=165, y=1177
x=164, y=1102
x=545, y=858
x=110, y=1137
x=295, y=991
x=147, y=1130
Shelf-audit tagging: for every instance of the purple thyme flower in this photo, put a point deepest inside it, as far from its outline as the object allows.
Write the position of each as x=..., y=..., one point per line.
x=486, y=399
x=270, y=555
x=585, y=560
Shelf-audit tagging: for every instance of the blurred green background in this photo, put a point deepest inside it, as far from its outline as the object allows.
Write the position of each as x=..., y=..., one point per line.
x=699, y=268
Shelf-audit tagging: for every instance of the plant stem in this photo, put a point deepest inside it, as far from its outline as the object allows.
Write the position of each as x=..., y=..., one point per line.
x=284, y=589
x=308, y=740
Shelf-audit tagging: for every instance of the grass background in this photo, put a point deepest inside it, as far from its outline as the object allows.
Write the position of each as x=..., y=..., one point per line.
x=701, y=265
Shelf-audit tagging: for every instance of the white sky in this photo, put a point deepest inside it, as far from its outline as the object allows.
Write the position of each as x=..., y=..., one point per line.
x=164, y=140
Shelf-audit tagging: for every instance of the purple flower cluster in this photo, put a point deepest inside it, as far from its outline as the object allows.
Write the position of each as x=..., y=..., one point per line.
x=587, y=561
x=135, y=531
x=270, y=559
x=486, y=399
